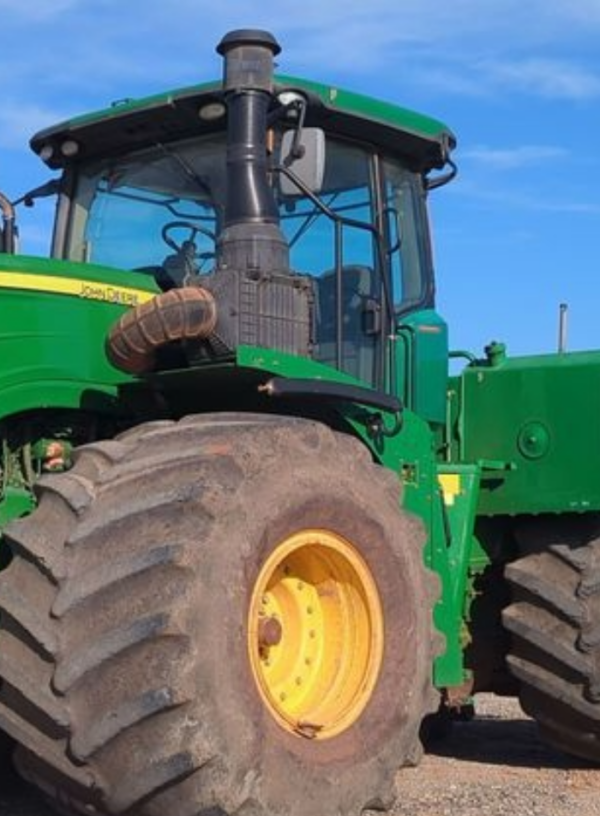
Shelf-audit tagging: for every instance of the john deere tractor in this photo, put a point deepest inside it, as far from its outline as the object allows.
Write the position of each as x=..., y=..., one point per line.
x=254, y=533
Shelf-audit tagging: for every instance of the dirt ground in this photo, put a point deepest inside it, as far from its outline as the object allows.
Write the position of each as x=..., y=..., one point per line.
x=497, y=766
x=493, y=766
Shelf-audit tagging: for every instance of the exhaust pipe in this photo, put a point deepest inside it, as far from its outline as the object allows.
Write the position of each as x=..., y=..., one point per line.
x=562, y=327
x=8, y=231
x=251, y=239
x=251, y=247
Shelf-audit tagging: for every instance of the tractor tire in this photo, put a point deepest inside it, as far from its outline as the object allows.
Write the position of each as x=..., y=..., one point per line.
x=554, y=622
x=228, y=614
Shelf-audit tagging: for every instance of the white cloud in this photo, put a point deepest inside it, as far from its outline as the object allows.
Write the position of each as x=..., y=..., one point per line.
x=542, y=77
x=584, y=12
x=554, y=78
x=320, y=27
x=34, y=11
x=514, y=198
x=514, y=158
x=91, y=52
x=19, y=121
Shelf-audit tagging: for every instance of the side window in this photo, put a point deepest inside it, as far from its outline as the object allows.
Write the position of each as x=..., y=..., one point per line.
x=347, y=193
x=407, y=227
x=338, y=232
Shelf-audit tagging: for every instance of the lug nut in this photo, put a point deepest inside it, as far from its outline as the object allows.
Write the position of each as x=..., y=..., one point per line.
x=269, y=632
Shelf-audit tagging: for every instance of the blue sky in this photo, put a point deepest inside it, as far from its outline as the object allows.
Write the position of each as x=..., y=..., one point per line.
x=519, y=83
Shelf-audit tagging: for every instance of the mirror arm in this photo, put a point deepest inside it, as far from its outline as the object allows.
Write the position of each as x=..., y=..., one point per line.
x=299, y=106
x=297, y=150
x=50, y=188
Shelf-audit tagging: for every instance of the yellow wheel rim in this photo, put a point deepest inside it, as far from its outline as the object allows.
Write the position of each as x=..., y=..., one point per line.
x=315, y=634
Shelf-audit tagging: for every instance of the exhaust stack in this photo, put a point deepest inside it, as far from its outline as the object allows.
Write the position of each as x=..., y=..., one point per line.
x=251, y=239
x=563, y=316
x=8, y=229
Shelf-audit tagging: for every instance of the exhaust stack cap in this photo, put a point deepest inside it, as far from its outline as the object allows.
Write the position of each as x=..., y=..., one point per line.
x=248, y=59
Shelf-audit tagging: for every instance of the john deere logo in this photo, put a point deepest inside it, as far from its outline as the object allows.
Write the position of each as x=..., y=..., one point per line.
x=87, y=289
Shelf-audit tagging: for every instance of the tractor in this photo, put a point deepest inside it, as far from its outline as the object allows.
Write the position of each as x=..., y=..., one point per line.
x=257, y=535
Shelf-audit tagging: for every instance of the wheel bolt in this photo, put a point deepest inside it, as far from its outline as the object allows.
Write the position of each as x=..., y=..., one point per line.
x=269, y=632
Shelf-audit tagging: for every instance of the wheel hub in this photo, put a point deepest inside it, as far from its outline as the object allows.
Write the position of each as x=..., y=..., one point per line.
x=315, y=634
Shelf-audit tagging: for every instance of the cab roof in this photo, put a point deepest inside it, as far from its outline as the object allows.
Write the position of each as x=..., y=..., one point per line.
x=424, y=143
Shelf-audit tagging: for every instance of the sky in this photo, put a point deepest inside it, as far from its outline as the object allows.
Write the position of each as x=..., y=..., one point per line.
x=518, y=81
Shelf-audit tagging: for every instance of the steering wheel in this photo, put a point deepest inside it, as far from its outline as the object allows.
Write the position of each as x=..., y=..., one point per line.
x=186, y=264
x=193, y=230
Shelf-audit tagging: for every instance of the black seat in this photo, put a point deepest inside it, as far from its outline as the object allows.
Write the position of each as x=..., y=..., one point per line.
x=358, y=299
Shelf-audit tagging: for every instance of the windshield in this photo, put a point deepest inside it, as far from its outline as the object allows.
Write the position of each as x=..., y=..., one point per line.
x=366, y=225
x=122, y=206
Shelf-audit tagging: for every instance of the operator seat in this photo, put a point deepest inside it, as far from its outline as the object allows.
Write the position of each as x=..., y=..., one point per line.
x=359, y=300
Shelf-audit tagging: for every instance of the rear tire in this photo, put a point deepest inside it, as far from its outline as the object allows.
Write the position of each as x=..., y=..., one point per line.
x=128, y=603
x=554, y=621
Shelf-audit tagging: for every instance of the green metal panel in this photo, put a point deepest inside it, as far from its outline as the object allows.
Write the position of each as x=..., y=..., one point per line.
x=539, y=415
x=422, y=364
x=458, y=558
x=54, y=317
x=15, y=503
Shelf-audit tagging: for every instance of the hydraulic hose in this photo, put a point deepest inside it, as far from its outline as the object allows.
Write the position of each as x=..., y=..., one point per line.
x=179, y=314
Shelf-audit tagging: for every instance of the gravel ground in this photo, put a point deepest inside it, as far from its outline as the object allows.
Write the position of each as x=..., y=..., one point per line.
x=493, y=766
x=496, y=766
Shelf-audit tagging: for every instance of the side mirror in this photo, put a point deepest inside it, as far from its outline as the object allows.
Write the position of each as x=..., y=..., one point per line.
x=303, y=153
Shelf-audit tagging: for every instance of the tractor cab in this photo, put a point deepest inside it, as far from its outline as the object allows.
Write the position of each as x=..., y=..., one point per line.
x=300, y=207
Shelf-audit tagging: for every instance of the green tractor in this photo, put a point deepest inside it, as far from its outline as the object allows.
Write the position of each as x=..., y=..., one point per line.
x=254, y=533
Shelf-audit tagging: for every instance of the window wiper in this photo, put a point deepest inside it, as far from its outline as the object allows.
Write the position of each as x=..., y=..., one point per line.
x=187, y=169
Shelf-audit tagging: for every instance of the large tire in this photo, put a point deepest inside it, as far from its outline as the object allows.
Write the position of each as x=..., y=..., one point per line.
x=554, y=621
x=132, y=681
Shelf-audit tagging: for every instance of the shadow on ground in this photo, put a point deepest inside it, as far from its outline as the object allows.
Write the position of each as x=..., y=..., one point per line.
x=515, y=742
x=19, y=799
